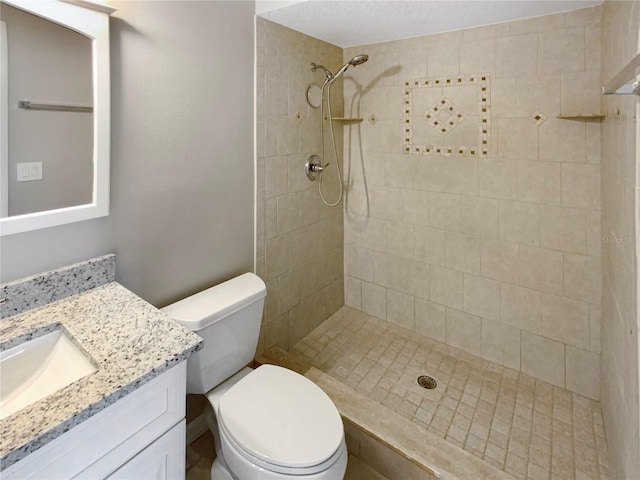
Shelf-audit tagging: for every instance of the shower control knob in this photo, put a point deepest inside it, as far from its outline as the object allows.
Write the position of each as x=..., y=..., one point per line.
x=313, y=167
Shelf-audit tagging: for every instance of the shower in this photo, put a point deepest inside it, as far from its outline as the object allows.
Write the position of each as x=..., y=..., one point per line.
x=315, y=166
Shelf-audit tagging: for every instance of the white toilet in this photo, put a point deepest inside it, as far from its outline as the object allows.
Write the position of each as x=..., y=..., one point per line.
x=269, y=423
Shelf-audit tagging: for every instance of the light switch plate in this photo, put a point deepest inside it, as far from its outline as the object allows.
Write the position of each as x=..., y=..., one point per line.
x=28, y=172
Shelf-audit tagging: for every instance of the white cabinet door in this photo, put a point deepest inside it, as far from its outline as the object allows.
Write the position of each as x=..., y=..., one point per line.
x=164, y=459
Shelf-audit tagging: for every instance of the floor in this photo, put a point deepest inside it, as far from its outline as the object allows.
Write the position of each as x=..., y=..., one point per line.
x=201, y=453
x=523, y=426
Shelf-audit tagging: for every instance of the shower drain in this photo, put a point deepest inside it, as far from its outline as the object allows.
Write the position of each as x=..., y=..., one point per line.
x=425, y=381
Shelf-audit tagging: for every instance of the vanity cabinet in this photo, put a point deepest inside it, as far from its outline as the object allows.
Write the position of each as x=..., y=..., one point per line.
x=141, y=436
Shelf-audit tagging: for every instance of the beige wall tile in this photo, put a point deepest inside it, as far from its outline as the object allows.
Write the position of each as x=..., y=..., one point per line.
x=501, y=343
x=298, y=323
x=538, y=93
x=276, y=255
x=444, y=211
x=415, y=278
x=582, y=278
x=541, y=269
x=540, y=182
x=595, y=328
x=462, y=253
x=385, y=202
x=503, y=97
x=401, y=309
x=583, y=372
x=478, y=56
x=517, y=55
x=479, y=216
x=288, y=135
x=517, y=139
x=562, y=50
x=430, y=319
x=353, y=292
x=399, y=170
x=360, y=263
x=400, y=239
x=447, y=287
x=287, y=213
x=482, y=297
x=415, y=209
x=542, y=358
x=288, y=291
x=499, y=260
x=565, y=320
x=581, y=186
x=464, y=331
x=276, y=176
x=581, y=92
x=443, y=57
x=519, y=222
x=497, y=178
x=562, y=141
x=429, y=245
x=563, y=229
x=521, y=308
x=386, y=270
x=374, y=300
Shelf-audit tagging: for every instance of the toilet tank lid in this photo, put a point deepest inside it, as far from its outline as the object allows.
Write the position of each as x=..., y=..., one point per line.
x=210, y=305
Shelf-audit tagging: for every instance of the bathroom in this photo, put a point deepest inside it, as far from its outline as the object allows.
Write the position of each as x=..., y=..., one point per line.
x=521, y=255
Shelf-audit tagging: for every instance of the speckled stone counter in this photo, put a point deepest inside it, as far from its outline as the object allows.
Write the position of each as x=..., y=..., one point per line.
x=129, y=341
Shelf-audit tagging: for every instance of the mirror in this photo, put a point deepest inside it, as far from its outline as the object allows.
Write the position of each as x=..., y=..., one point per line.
x=54, y=85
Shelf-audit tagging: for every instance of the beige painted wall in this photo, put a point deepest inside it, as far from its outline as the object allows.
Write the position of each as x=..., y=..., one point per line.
x=299, y=240
x=182, y=153
x=48, y=63
x=499, y=253
x=620, y=235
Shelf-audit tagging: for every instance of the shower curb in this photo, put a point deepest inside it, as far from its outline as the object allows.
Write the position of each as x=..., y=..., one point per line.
x=435, y=456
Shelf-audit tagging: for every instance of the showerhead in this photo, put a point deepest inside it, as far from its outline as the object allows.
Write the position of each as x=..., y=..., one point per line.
x=355, y=61
x=358, y=60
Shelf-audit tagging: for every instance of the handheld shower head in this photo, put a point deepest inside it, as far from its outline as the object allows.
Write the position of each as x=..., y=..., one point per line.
x=355, y=61
x=358, y=60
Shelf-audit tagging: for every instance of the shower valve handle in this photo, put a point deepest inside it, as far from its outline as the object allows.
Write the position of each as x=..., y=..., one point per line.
x=313, y=167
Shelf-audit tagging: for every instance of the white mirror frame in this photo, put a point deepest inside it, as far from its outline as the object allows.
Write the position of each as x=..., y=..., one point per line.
x=91, y=20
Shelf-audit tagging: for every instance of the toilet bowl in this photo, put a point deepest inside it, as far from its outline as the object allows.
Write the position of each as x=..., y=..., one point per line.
x=267, y=423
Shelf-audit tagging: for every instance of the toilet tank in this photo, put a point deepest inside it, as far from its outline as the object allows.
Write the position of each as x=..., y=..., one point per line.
x=228, y=318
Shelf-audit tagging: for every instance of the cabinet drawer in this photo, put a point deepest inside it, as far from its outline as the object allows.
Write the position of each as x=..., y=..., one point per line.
x=164, y=459
x=100, y=445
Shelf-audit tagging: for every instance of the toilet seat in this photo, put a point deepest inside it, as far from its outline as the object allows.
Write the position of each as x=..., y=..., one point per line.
x=273, y=399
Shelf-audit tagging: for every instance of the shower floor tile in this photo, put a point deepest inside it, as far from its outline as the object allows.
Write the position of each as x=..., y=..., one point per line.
x=523, y=426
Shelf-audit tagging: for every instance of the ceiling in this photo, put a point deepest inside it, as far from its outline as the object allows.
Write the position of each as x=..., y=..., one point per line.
x=348, y=23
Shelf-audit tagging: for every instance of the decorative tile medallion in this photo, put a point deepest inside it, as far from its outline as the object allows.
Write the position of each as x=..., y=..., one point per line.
x=538, y=117
x=447, y=115
x=444, y=116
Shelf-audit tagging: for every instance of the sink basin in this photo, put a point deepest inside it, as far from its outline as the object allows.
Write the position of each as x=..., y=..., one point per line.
x=37, y=368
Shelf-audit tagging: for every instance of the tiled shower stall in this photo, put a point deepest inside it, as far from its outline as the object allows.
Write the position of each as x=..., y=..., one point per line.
x=471, y=218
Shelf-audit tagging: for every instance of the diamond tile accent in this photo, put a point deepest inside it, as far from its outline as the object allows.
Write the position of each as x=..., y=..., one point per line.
x=444, y=116
x=538, y=117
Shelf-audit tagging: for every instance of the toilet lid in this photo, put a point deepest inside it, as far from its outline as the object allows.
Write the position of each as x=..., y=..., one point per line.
x=282, y=418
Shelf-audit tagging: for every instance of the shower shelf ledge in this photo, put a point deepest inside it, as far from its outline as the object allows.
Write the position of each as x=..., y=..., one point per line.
x=347, y=120
x=584, y=116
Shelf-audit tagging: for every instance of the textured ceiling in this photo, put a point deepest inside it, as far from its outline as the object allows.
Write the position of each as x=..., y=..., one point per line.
x=348, y=23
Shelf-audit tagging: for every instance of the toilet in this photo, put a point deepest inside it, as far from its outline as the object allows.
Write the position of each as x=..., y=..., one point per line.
x=267, y=423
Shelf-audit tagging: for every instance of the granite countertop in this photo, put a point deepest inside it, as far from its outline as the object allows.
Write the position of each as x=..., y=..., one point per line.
x=128, y=340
